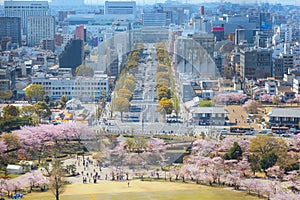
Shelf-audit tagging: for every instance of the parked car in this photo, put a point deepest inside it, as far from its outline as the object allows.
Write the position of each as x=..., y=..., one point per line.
x=286, y=135
x=223, y=132
x=249, y=133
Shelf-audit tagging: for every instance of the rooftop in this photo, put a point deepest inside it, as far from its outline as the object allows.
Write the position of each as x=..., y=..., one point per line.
x=209, y=110
x=284, y=112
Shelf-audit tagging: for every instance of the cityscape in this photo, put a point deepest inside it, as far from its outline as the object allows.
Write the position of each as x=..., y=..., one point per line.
x=149, y=100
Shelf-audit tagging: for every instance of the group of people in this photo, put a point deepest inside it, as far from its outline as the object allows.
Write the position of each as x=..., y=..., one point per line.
x=91, y=171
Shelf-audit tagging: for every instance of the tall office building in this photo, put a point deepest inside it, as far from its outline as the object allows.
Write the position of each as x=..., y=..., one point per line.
x=67, y=3
x=40, y=28
x=120, y=7
x=245, y=35
x=72, y=56
x=154, y=19
x=218, y=33
x=11, y=27
x=23, y=9
x=256, y=63
x=80, y=32
x=201, y=10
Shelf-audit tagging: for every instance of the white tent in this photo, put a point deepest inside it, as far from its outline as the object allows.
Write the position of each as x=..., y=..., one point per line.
x=14, y=169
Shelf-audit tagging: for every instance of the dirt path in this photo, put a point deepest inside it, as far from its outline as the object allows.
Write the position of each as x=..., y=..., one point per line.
x=237, y=114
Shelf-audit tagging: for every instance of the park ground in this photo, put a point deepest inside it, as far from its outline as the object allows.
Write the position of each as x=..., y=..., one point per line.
x=143, y=190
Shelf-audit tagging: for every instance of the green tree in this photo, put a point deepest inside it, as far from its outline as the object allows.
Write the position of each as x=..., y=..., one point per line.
x=176, y=105
x=163, y=92
x=235, y=152
x=121, y=104
x=140, y=144
x=268, y=160
x=254, y=163
x=28, y=110
x=262, y=144
x=63, y=100
x=11, y=140
x=83, y=70
x=125, y=93
x=163, y=81
x=206, y=103
x=129, y=144
x=165, y=106
x=275, y=100
x=6, y=95
x=12, y=123
x=35, y=92
x=42, y=110
x=162, y=68
x=131, y=64
x=101, y=105
x=11, y=111
x=129, y=84
x=47, y=99
x=162, y=75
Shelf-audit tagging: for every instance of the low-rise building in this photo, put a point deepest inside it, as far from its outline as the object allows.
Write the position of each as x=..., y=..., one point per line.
x=209, y=115
x=296, y=85
x=270, y=87
x=84, y=88
x=289, y=117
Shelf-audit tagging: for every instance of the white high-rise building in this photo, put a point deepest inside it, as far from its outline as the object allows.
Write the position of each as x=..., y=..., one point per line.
x=120, y=9
x=63, y=3
x=40, y=28
x=23, y=9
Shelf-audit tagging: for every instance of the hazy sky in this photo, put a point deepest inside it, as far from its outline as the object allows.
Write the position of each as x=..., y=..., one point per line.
x=198, y=1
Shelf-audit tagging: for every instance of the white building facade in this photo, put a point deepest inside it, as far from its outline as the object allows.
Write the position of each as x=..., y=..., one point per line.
x=23, y=9
x=40, y=28
x=87, y=89
x=120, y=9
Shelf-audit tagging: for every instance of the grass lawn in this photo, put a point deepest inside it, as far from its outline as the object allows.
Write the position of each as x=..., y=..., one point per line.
x=143, y=190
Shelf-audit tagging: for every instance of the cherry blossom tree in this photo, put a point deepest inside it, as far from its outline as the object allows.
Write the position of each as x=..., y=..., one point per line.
x=33, y=179
x=230, y=98
x=228, y=142
x=285, y=196
x=7, y=186
x=3, y=147
x=230, y=165
x=233, y=179
x=266, y=98
x=248, y=184
x=16, y=186
x=79, y=131
x=216, y=168
x=206, y=178
x=243, y=166
x=203, y=147
x=297, y=98
x=267, y=189
x=296, y=142
x=252, y=106
x=176, y=172
x=156, y=145
x=275, y=172
x=192, y=171
x=291, y=176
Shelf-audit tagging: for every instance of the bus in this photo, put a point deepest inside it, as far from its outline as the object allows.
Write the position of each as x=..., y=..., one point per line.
x=240, y=129
x=279, y=129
